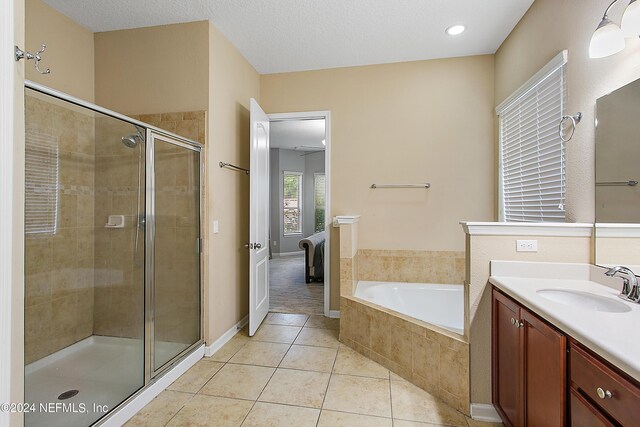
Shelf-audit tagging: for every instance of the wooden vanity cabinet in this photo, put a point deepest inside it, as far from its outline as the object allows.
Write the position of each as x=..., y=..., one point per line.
x=610, y=395
x=529, y=367
x=536, y=368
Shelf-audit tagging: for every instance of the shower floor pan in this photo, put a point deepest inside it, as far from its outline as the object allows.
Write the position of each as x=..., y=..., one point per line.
x=104, y=370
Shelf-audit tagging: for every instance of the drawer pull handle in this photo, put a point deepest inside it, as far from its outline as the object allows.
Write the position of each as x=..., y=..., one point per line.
x=603, y=394
x=513, y=321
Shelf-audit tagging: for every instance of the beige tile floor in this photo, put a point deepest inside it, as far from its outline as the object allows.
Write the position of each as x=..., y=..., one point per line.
x=294, y=372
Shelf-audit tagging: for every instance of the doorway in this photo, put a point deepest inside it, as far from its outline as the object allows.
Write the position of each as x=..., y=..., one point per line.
x=298, y=211
x=298, y=206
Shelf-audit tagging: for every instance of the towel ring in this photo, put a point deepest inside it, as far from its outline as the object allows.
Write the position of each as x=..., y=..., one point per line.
x=575, y=119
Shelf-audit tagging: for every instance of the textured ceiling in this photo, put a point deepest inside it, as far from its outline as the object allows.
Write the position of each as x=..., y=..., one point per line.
x=305, y=135
x=294, y=35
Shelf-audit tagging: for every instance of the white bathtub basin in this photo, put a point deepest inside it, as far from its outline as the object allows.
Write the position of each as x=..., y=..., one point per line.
x=439, y=304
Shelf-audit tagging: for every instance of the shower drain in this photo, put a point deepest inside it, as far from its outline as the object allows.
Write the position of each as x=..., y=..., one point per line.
x=68, y=394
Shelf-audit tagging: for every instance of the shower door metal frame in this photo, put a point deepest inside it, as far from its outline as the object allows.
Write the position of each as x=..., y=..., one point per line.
x=177, y=140
x=150, y=229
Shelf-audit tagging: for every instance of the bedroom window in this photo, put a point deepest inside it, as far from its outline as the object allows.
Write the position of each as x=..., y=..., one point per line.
x=292, y=203
x=532, y=155
x=319, y=189
x=41, y=183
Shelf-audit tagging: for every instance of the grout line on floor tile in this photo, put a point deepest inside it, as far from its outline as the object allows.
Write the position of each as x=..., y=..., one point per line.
x=326, y=391
x=263, y=388
x=177, y=412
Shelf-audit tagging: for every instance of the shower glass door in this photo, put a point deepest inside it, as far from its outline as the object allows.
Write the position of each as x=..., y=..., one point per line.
x=175, y=241
x=84, y=261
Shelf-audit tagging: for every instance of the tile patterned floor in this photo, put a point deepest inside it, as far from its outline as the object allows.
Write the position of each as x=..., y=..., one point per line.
x=294, y=372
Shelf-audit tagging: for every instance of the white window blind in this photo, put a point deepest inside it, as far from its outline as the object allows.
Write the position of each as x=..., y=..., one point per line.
x=532, y=173
x=292, y=203
x=319, y=190
x=41, y=183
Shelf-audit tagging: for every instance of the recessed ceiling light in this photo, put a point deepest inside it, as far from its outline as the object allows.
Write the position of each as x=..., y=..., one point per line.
x=454, y=30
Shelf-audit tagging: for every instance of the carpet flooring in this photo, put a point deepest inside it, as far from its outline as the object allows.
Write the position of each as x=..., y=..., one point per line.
x=288, y=291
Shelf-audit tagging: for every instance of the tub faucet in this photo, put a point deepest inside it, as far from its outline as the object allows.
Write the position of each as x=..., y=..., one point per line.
x=629, y=291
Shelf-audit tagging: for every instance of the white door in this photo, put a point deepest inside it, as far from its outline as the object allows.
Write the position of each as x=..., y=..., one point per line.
x=259, y=218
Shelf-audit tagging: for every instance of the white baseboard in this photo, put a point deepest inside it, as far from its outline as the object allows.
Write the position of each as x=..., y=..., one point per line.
x=127, y=412
x=217, y=344
x=334, y=314
x=485, y=412
x=286, y=254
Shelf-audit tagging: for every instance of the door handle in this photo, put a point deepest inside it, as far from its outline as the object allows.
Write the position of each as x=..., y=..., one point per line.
x=248, y=245
x=257, y=245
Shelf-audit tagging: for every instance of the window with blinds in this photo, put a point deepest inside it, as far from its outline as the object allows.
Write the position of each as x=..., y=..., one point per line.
x=292, y=203
x=319, y=190
x=532, y=155
x=41, y=183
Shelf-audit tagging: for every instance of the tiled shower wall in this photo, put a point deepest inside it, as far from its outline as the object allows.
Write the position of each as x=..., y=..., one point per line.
x=189, y=124
x=85, y=279
x=119, y=300
x=59, y=281
x=119, y=262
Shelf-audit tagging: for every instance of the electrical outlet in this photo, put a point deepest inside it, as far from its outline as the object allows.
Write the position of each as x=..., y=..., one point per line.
x=526, y=245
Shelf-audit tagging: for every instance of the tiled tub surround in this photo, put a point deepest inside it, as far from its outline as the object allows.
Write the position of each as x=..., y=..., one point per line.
x=430, y=357
x=435, y=360
x=410, y=266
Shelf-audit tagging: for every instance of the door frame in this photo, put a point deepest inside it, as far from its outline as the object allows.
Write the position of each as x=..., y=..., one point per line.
x=326, y=115
x=11, y=210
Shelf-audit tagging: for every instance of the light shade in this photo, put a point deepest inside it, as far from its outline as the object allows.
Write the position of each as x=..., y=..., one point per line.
x=606, y=40
x=454, y=30
x=631, y=20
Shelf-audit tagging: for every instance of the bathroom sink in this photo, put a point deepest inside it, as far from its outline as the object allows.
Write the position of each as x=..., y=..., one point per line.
x=585, y=300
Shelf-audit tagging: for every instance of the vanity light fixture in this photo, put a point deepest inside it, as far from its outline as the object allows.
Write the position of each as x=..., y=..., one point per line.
x=608, y=38
x=454, y=30
x=630, y=24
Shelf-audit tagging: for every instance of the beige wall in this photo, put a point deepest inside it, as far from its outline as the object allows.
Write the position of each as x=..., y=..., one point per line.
x=425, y=121
x=154, y=69
x=547, y=28
x=69, y=52
x=480, y=251
x=232, y=82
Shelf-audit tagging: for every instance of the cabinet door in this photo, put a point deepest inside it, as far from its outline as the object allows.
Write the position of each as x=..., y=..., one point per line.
x=545, y=380
x=506, y=368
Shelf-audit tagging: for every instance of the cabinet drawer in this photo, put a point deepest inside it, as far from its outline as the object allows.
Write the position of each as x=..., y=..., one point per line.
x=584, y=414
x=588, y=375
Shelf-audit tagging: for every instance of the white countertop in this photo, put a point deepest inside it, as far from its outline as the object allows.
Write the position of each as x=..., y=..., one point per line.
x=614, y=336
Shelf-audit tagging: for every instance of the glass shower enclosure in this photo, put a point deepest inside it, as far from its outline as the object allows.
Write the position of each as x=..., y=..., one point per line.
x=112, y=257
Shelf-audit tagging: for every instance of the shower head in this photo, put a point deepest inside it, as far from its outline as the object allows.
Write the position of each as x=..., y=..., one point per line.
x=131, y=141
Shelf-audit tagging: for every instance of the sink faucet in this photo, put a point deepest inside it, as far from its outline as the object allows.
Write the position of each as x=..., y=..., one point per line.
x=630, y=292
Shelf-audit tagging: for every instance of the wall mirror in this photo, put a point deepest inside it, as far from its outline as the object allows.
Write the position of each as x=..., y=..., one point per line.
x=617, y=193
